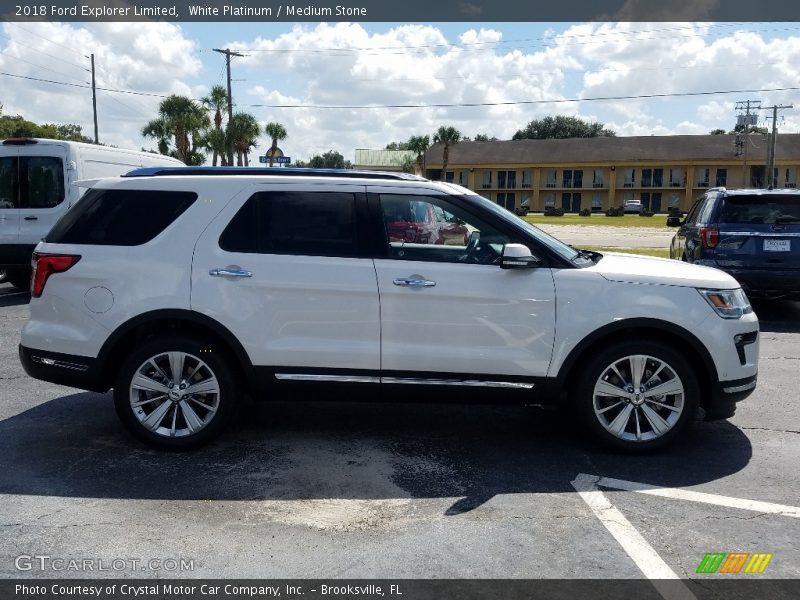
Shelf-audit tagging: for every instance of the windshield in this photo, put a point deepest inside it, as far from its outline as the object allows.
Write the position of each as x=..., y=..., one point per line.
x=563, y=250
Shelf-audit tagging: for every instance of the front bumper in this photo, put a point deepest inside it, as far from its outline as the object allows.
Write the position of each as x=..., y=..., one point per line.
x=16, y=256
x=725, y=395
x=80, y=372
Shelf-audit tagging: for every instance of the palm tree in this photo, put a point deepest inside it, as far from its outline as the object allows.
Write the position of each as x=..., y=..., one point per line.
x=277, y=132
x=217, y=100
x=447, y=136
x=183, y=120
x=244, y=131
x=420, y=145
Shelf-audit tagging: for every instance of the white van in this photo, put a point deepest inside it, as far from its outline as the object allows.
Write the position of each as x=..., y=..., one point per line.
x=36, y=177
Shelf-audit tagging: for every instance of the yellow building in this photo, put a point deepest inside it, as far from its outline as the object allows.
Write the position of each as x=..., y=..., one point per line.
x=598, y=173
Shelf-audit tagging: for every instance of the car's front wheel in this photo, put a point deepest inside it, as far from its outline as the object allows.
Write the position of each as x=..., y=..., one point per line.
x=175, y=393
x=638, y=395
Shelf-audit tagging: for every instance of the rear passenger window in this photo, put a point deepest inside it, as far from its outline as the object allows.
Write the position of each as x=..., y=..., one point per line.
x=120, y=217
x=305, y=223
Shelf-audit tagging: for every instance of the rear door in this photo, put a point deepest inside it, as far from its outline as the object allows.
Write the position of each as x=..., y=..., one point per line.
x=760, y=231
x=283, y=267
x=9, y=198
x=42, y=189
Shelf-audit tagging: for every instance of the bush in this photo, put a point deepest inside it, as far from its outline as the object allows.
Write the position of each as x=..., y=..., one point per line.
x=521, y=211
x=586, y=212
x=674, y=211
x=552, y=211
x=618, y=211
x=646, y=213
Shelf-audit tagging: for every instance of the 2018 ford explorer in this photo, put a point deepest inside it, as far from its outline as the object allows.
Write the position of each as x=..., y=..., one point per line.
x=182, y=289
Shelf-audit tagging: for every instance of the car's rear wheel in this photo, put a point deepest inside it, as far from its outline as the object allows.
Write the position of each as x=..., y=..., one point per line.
x=175, y=393
x=638, y=396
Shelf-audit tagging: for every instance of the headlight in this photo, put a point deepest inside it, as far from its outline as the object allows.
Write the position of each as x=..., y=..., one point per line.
x=728, y=304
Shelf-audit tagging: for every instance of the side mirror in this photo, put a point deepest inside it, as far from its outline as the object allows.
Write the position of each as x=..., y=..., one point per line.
x=518, y=256
x=674, y=222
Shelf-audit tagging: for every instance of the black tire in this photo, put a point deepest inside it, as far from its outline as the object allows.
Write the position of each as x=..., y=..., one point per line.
x=597, y=366
x=197, y=352
x=19, y=278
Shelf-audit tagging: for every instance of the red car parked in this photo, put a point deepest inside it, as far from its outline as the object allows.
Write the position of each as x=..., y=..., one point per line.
x=417, y=222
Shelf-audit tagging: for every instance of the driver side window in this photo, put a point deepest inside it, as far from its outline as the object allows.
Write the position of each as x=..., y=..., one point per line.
x=434, y=229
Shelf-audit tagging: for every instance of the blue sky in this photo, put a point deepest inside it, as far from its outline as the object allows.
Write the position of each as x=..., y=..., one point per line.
x=399, y=63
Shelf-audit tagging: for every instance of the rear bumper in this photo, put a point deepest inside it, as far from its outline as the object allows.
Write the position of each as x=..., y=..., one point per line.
x=725, y=395
x=80, y=372
x=764, y=281
x=16, y=255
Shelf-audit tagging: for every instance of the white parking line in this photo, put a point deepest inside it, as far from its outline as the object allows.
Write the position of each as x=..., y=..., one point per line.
x=679, y=494
x=642, y=553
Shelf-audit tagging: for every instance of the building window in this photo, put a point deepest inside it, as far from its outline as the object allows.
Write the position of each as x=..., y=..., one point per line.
x=571, y=202
x=501, y=179
x=628, y=196
x=577, y=178
x=526, y=200
x=526, y=179
x=629, y=178
x=651, y=202
x=449, y=176
x=701, y=177
x=790, y=181
x=486, y=180
x=597, y=201
x=722, y=178
x=507, y=179
x=598, y=178
x=674, y=199
x=507, y=200
x=462, y=178
x=566, y=178
x=550, y=199
x=677, y=178
x=647, y=177
x=550, y=178
x=658, y=177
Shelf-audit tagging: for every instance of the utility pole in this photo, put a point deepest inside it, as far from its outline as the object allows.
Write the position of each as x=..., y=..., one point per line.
x=746, y=105
x=228, y=53
x=770, y=178
x=94, y=102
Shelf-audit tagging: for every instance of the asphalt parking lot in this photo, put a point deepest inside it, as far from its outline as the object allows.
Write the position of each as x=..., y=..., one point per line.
x=304, y=488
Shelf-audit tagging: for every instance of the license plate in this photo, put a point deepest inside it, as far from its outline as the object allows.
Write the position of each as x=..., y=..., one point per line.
x=777, y=245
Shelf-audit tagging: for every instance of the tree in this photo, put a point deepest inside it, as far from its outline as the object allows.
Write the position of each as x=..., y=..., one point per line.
x=397, y=146
x=17, y=126
x=408, y=165
x=244, y=131
x=447, y=136
x=330, y=160
x=482, y=137
x=751, y=129
x=182, y=123
x=717, y=132
x=561, y=127
x=217, y=100
x=278, y=133
x=419, y=144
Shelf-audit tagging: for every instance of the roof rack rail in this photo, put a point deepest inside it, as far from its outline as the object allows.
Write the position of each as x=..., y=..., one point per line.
x=272, y=171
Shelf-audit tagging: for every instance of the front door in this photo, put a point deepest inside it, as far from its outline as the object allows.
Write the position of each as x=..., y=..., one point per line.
x=447, y=308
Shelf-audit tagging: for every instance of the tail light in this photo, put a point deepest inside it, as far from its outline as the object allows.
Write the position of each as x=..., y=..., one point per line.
x=709, y=236
x=45, y=265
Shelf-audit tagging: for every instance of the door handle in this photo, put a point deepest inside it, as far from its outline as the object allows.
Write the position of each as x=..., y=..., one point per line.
x=31, y=218
x=230, y=272
x=414, y=282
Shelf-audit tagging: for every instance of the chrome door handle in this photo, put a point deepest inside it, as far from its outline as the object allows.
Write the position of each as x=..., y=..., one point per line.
x=229, y=272
x=414, y=282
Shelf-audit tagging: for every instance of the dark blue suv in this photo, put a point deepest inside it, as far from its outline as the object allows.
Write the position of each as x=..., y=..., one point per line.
x=752, y=234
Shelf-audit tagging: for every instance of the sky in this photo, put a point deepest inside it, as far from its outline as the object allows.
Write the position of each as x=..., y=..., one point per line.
x=311, y=65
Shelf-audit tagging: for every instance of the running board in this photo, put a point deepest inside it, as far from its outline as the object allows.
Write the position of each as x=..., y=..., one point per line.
x=402, y=380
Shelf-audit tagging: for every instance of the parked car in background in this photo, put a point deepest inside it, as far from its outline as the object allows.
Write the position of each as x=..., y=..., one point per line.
x=632, y=206
x=423, y=223
x=36, y=188
x=754, y=235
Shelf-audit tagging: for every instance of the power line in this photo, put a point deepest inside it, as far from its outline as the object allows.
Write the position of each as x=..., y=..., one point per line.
x=437, y=105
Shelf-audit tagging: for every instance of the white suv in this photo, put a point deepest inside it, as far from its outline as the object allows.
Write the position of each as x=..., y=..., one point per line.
x=185, y=288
